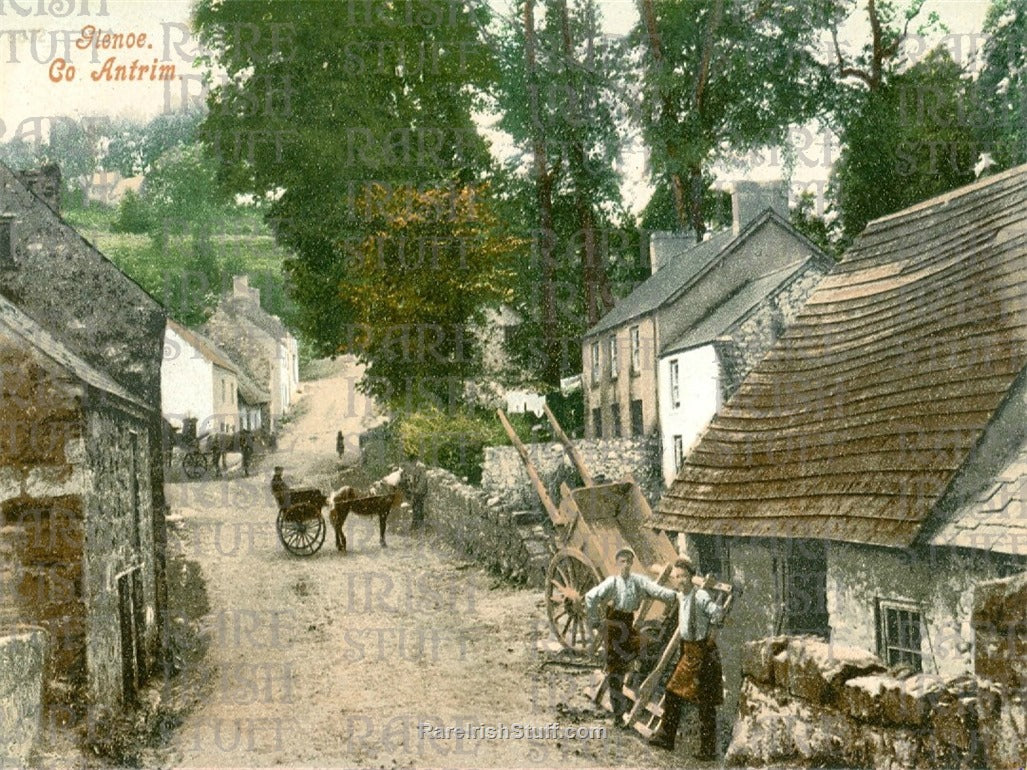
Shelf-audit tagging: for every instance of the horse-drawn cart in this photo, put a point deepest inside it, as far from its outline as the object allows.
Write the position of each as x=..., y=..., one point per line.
x=592, y=523
x=301, y=526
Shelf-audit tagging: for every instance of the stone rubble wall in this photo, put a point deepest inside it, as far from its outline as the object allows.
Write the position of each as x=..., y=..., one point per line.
x=807, y=703
x=504, y=476
x=23, y=661
x=516, y=544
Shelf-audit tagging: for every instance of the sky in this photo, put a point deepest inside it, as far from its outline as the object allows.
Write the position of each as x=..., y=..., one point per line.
x=34, y=85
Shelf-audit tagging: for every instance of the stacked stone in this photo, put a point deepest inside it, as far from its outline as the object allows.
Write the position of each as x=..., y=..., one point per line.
x=514, y=544
x=808, y=703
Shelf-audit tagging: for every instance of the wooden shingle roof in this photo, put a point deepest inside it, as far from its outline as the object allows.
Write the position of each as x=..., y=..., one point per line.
x=854, y=423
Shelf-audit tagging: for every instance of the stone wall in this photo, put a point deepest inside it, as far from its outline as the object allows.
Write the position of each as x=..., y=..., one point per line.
x=1000, y=660
x=23, y=655
x=755, y=335
x=514, y=544
x=504, y=476
x=119, y=546
x=806, y=703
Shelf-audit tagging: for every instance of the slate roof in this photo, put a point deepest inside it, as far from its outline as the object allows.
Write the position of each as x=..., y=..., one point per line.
x=857, y=419
x=665, y=283
x=208, y=349
x=682, y=271
x=996, y=520
x=250, y=392
x=734, y=308
x=39, y=338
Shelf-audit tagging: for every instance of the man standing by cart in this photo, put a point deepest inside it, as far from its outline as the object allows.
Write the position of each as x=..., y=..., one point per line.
x=697, y=678
x=625, y=591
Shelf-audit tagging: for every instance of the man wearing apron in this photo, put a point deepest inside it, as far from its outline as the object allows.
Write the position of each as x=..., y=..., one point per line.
x=697, y=677
x=625, y=591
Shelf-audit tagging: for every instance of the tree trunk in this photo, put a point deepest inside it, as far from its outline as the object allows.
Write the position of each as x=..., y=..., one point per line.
x=681, y=197
x=544, y=201
x=593, y=271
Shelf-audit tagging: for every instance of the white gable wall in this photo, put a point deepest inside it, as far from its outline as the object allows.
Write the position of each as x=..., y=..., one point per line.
x=186, y=381
x=699, y=399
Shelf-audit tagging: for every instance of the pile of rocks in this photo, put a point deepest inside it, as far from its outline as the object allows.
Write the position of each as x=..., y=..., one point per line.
x=805, y=702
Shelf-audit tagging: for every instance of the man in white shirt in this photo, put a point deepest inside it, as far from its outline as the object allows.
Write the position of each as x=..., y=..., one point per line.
x=624, y=591
x=697, y=678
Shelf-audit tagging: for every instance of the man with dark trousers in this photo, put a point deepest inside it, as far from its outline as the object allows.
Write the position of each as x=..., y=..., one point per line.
x=697, y=677
x=624, y=591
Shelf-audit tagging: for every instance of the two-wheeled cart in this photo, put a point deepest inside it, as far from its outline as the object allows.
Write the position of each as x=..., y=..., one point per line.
x=592, y=523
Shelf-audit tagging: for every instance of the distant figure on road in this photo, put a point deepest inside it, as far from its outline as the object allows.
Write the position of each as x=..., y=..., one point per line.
x=340, y=444
x=246, y=448
x=415, y=487
x=215, y=455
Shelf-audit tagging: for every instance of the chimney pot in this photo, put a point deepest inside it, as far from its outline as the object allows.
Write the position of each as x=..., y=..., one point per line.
x=750, y=199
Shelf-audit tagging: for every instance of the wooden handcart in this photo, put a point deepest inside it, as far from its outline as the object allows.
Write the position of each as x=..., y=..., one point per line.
x=592, y=523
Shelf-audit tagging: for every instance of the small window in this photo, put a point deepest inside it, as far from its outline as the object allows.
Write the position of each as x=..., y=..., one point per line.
x=615, y=419
x=597, y=422
x=675, y=385
x=595, y=362
x=6, y=239
x=613, y=357
x=636, y=350
x=637, y=423
x=898, y=631
x=679, y=453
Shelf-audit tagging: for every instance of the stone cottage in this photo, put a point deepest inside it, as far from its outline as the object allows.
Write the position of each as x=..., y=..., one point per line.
x=683, y=330
x=82, y=535
x=870, y=471
x=261, y=345
x=198, y=382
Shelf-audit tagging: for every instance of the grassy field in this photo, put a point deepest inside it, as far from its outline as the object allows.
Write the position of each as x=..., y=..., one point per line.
x=188, y=284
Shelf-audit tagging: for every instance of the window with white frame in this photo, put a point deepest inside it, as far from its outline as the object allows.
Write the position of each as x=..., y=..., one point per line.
x=675, y=385
x=636, y=350
x=898, y=634
x=613, y=356
x=679, y=453
x=595, y=362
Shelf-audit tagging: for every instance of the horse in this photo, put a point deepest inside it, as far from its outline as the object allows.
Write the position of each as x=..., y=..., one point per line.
x=383, y=496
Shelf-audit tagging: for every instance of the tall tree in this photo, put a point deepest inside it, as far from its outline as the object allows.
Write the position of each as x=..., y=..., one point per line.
x=907, y=128
x=1002, y=84
x=557, y=100
x=323, y=103
x=723, y=77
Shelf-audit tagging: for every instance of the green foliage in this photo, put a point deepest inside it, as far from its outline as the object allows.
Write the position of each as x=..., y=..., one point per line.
x=910, y=139
x=134, y=147
x=186, y=286
x=1002, y=84
x=321, y=105
x=806, y=220
x=134, y=215
x=456, y=440
x=702, y=96
x=184, y=196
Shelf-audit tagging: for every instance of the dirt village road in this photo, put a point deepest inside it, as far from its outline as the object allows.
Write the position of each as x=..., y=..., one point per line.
x=335, y=660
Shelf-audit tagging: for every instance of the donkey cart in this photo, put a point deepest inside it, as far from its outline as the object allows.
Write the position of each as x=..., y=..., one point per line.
x=592, y=523
x=301, y=526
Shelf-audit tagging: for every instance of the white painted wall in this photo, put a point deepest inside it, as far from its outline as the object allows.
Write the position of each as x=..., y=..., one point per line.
x=186, y=381
x=699, y=396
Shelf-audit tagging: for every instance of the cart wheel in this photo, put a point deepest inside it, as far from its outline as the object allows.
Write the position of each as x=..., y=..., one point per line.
x=570, y=576
x=302, y=537
x=194, y=464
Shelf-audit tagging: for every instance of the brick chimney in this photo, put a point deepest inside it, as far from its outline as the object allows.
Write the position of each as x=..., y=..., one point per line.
x=45, y=183
x=750, y=199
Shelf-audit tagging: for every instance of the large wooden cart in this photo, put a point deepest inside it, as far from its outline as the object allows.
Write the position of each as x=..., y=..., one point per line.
x=592, y=523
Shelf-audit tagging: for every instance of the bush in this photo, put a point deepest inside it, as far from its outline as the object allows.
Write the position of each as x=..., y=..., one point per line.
x=134, y=215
